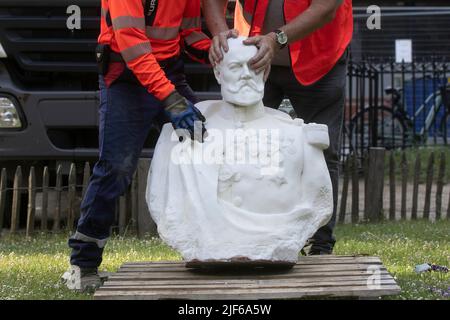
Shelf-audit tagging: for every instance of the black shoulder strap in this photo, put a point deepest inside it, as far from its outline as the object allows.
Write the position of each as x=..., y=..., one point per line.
x=150, y=8
x=108, y=19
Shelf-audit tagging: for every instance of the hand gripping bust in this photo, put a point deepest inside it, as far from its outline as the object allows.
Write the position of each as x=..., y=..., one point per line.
x=256, y=189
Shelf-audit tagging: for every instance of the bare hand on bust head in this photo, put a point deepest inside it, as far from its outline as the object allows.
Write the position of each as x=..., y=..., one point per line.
x=220, y=44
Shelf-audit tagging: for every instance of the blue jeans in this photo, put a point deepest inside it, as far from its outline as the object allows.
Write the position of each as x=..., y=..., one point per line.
x=126, y=113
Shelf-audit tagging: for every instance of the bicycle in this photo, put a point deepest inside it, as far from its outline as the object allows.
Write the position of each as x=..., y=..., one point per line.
x=392, y=127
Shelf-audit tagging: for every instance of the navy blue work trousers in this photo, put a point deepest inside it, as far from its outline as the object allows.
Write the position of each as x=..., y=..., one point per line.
x=127, y=112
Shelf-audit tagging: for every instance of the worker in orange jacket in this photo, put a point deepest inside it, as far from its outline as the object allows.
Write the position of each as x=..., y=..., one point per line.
x=304, y=45
x=141, y=79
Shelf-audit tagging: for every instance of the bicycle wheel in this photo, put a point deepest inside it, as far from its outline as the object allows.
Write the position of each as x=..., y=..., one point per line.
x=390, y=132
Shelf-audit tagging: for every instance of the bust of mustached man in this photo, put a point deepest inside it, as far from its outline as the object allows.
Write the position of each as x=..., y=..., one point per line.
x=258, y=186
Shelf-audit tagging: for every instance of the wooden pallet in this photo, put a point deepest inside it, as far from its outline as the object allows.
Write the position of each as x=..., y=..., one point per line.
x=319, y=276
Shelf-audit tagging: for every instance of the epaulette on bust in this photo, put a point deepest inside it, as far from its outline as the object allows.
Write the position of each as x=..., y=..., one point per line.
x=317, y=135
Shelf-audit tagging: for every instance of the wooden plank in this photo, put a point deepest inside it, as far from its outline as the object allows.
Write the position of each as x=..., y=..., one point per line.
x=134, y=203
x=304, y=268
x=86, y=177
x=31, y=202
x=122, y=214
x=429, y=185
x=298, y=267
x=71, y=197
x=162, y=289
x=218, y=278
x=417, y=169
x=44, y=212
x=249, y=277
x=178, y=271
x=355, y=191
x=392, y=198
x=145, y=286
x=240, y=274
x=347, y=265
x=344, y=194
x=58, y=191
x=146, y=226
x=193, y=276
x=15, y=213
x=304, y=259
x=266, y=282
x=440, y=186
x=203, y=275
x=3, y=186
x=129, y=214
x=366, y=182
x=375, y=187
x=448, y=207
x=404, y=168
x=301, y=262
x=312, y=266
x=259, y=293
x=237, y=295
x=340, y=276
x=333, y=267
x=240, y=277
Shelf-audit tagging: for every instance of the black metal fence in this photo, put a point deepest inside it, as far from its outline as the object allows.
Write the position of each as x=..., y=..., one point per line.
x=427, y=28
x=396, y=105
x=365, y=195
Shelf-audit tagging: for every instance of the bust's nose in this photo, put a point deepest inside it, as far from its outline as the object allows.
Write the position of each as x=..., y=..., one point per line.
x=246, y=72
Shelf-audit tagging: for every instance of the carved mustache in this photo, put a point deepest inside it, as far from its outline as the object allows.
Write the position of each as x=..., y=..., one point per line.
x=235, y=88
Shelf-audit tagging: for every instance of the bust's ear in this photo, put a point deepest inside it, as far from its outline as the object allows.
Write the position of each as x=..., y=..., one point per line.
x=217, y=73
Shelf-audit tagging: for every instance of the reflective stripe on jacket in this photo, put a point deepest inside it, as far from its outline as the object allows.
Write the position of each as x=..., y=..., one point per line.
x=312, y=57
x=147, y=31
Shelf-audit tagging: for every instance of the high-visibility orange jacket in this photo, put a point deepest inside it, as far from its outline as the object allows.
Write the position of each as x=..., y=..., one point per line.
x=147, y=31
x=311, y=57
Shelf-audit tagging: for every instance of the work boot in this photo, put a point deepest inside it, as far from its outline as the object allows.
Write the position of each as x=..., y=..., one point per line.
x=82, y=280
x=312, y=248
x=318, y=252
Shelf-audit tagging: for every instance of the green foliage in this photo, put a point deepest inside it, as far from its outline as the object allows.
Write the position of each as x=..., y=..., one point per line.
x=31, y=268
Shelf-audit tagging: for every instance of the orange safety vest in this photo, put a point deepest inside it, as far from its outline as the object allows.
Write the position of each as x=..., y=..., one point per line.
x=315, y=55
x=147, y=31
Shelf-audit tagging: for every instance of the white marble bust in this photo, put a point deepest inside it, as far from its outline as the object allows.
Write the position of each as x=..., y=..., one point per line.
x=256, y=189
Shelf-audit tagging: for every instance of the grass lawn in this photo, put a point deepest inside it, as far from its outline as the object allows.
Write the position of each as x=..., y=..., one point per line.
x=30, y=269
